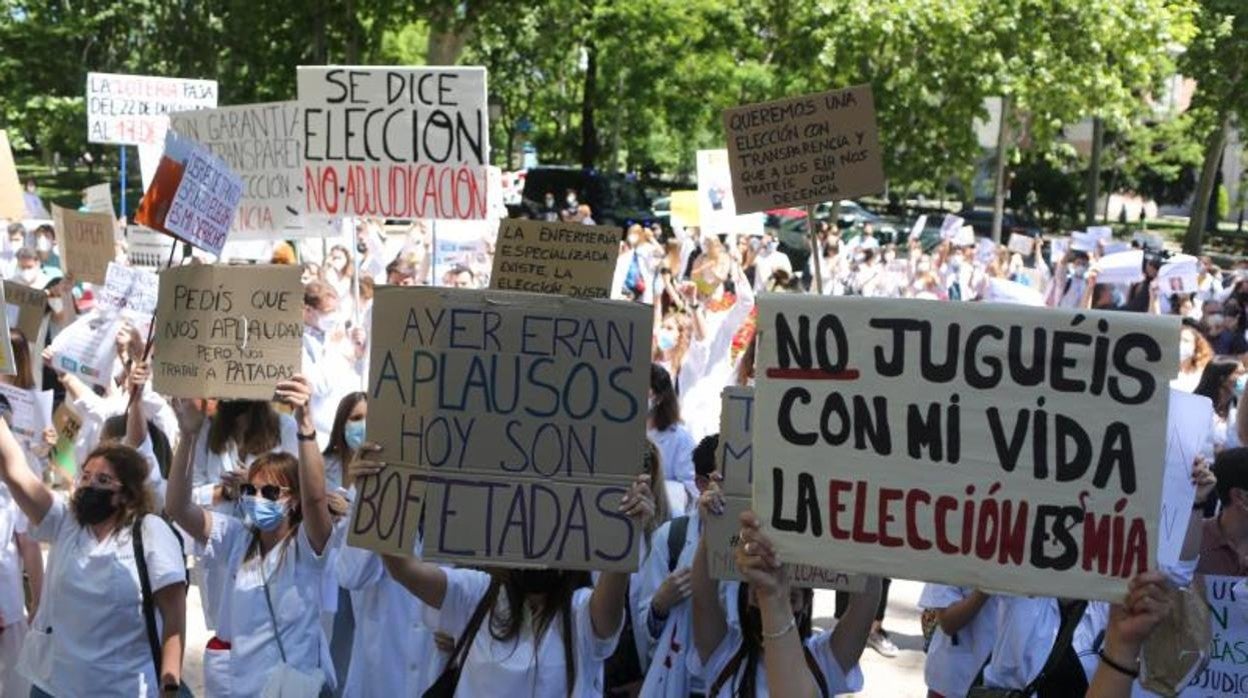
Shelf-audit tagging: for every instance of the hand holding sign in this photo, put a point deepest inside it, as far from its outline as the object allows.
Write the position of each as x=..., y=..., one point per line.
x=757, y=560
x=1131, y=622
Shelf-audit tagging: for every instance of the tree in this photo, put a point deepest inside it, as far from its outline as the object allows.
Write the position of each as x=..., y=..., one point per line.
x=1217, y=59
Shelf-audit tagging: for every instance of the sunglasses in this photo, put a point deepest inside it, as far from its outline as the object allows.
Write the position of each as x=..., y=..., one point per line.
x=269, y=492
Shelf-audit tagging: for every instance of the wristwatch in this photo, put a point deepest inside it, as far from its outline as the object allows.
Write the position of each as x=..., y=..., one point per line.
x=306, y=437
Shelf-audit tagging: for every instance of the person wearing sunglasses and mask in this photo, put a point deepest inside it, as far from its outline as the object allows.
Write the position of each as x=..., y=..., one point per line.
x=89, y=636
x=274, y=558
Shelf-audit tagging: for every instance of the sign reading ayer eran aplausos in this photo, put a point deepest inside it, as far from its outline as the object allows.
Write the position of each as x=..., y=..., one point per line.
x=515, y=421
x=1001, y=447
x=804, y=150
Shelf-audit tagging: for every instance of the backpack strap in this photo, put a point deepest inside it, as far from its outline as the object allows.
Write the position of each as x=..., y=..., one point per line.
x=815, y=671
x=569, y=657
x=1071, y=616
x=145, y=585
x=676, y=535
x=730, y=670
x=463, y=645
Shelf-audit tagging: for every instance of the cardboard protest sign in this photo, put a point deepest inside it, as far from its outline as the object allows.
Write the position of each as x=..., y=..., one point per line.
x=515, y=420
x=88, y=347
x=12, y=201
x=804, y=150
x=262, y=144
x=1189, y=422
x=395, y=142
x=684, y=209
x=193, y=196
x=553, y=257
x=1002, y=447
x=717, y=207
x=1021, y=244
x=148, y=249
x=67, y=424
x=735, y=462
x=1224, y=675
x=25, y=308
x=8, y=366
x=98, y=198
x=87, y=241
x=227, y=332
x=132, y=109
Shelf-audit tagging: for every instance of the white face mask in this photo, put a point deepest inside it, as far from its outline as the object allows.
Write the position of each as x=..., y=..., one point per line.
x=43, y=244
x=1187, y=348
x=339, y=265
x=326, y=323
x=28, y=276
x=57, y=304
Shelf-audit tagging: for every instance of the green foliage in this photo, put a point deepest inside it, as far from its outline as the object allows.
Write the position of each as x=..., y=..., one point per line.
x=1223, y=207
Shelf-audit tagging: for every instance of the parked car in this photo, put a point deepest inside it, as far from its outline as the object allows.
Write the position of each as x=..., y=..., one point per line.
x=981, y=221
x=613, y=198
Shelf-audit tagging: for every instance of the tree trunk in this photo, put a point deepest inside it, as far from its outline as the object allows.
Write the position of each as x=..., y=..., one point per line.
x=1094, y=171
x=589, y=133
x=1194, y=239
x=445, y=46
x=998, y=195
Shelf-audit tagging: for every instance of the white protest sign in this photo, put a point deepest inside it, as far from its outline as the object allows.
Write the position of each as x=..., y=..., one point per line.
x=972, y=444
x=88, y=347
x=131, y=109
x=717, y=209
x=965, y=237
x=147, y=248
x=261, y=144
x=27, y=421
x=129, y=292
x=985, y=250
x=1114, y=246
x=1022, y=244
x=735, y=463
x=916, y=230
x=207, y=197
x=950, y=225
x=1083, y=242
x=1058, y=247
x=1121, y=267
x=464, y=243
x=1104, y=233
x=1187, y=429
x=395, y=142
x=513, y=420
x=1178, y=275
x=1006, y=291
x=98, y=198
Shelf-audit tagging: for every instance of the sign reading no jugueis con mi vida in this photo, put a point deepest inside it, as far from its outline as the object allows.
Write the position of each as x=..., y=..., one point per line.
x=1002, y=447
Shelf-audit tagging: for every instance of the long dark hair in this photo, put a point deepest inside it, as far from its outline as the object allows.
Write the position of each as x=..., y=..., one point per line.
x=338, y=433
x=1211, y=380
x=131, y=469
x=745, y=664
x=25, y=377
x=558, y=587
x=666, y=409
x=264, y=427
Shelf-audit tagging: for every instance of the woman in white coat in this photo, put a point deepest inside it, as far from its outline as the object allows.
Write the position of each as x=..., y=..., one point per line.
x=541, y=632
x=275, y=558
x=92, y=595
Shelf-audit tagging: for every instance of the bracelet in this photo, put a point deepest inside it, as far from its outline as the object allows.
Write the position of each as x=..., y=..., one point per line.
x=1133, y=673
x=782, y=631
x=306, y=437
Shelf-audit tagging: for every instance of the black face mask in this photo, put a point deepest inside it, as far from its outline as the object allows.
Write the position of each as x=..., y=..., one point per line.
x=537, y=581
x=93, y=505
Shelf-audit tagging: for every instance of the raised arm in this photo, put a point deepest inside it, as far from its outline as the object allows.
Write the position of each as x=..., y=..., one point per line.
x=850, y=636
x=178, y=505
x=317, y=519
x=136, y=421
x=1147, y=605
x=606, y=605
x=954, y=617
x=757, y=562
x=31, y=495
x=710, y=625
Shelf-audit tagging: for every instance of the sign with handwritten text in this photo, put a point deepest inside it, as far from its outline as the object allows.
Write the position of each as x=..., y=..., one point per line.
x=561, y=258
x=229, y=332
x=804, y=150
x=1003, y=447
x=395, y=142
x=515, y=420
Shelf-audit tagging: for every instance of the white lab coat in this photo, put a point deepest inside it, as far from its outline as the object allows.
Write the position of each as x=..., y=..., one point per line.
x=12, y=605
x=295, y=576
x=953, y=662
x=392, y=652
x=332, y=376
x=92, y=599
x=675, y=446
x=519, y=667
x=1026, y=630
x=667, y=674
